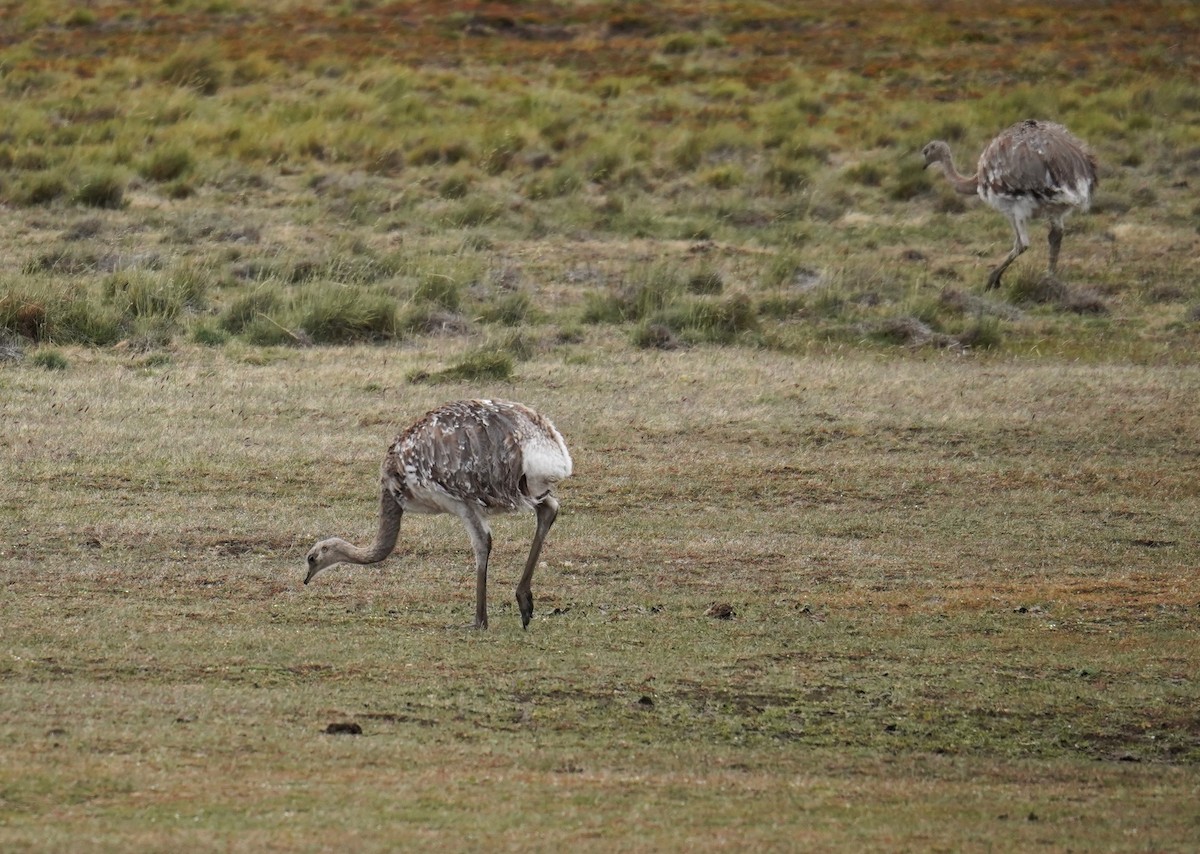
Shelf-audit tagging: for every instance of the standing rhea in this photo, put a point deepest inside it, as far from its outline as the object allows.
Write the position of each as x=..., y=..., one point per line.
x=472, y=458
x=1033, y=168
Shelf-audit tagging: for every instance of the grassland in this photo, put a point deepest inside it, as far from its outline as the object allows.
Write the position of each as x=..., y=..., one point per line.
x=242, y=244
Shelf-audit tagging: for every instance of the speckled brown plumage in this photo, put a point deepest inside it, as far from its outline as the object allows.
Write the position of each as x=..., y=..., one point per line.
x=472, y=458
x=498, y=455
x=1034, y=168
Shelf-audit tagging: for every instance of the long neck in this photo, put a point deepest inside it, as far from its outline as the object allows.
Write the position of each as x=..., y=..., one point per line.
x=385, y=537
x=967, y=185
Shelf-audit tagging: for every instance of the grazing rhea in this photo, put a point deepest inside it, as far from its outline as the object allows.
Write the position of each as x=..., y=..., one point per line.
x=472, y=458
x=1033, y=168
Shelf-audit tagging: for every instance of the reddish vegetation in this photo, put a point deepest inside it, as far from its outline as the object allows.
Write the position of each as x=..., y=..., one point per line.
x=886, y=42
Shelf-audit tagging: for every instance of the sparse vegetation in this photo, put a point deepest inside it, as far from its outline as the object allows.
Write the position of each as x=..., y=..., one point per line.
x=484, y=365
x=102, y=189
x=51, y=360
x=808, y=167
x=339, y=314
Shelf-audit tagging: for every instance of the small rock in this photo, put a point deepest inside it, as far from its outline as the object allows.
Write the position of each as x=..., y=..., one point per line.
x=721, y=611
x=343, y=728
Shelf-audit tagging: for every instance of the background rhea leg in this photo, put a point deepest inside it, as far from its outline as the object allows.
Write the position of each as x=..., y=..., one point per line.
x=1019, y=245
x=1055, y=239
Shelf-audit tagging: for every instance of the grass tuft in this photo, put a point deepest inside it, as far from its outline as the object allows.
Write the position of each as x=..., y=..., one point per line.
x=209, y=334
x=45, y=311
x=440, y=290
x=103, y=188
x=511, y=310
x=707, y=320
x=40, y=188
x=482, y=365
x=706, y=281
x=248, y=308
x=141, y=293
x=196, y=68
x=51, y=360
x=339, y=314
x=654, y=336
x=167, y=164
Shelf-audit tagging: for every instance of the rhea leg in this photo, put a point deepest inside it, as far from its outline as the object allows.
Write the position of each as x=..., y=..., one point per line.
x=1056, y=236
x=481, y=543
x=1019, y=245
x=547, y=511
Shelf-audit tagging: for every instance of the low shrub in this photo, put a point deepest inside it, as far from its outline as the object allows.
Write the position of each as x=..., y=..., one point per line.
x=104, y=188
x=455, y=186
x=209, y=334
x=40, y=188
x=168, y=163
x=654, y=336
x=193, y=68
x=705, y=320
x=139, y=293
x=51, y=360
x=510, y=310
x=336, y=314
x=706, y=281
x=480, y=365
x=248, y=309
x=441, y=290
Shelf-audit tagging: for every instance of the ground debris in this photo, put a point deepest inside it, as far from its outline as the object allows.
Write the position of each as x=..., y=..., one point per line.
x=343, y=728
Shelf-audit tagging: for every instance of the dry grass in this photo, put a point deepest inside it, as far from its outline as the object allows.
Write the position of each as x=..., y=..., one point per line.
x=964, y=610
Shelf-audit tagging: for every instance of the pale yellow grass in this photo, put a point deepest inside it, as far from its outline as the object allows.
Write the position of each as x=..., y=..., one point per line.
x=964, y=597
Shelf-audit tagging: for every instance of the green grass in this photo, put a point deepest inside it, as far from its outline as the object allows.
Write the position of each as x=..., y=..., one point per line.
x=51, y=360
x=340, y=156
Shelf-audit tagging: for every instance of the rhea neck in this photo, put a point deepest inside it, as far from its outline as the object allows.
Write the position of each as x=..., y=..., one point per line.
x=967, y=185
x=385, y=537
x=339, y=551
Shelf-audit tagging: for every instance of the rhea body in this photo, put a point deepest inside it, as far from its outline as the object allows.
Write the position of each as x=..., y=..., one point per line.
x=1033, y=168
x=473, y=459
